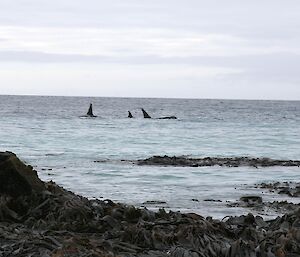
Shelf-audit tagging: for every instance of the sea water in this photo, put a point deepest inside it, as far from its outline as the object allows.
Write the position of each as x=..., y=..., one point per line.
x=48, y=133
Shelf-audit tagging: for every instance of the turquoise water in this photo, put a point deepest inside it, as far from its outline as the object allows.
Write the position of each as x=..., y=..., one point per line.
x=48, y=133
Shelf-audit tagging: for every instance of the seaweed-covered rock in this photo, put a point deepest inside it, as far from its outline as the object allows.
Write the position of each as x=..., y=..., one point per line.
x=291, y=189
x=43, y=219
x=182, y=161
x=251, y=200
x=16, y=178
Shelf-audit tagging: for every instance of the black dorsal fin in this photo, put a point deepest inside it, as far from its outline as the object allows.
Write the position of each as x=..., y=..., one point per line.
x=146, y=115
x=90, y=111
x=129, y=115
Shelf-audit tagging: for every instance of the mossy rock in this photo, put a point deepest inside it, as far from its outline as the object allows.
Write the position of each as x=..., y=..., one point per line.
x=16, y=178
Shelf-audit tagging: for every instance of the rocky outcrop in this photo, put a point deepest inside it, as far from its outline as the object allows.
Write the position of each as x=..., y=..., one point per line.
x=49, y=221
x=16, y=178
x=291, y=189
x=212, y=161
x=251, y=200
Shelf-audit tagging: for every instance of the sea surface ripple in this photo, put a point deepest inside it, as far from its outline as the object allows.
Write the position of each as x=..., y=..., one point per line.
x=48, y=133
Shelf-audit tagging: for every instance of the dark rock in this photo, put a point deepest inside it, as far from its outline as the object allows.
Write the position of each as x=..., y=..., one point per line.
x=251, y=200
x=51, y=221
x=132, y=214
x=5, y=155
x=117, y=213
x=291, y=189
x=212, y=200
x=110, y=221
x=154, y=202
x=249, y=219
x=16, y=178
x=211, y=161
x=296, y=223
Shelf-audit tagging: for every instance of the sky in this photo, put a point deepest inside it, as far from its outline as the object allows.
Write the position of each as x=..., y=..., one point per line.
x=151, y=48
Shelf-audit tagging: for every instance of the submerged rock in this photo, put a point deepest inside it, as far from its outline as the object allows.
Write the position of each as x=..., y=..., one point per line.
x=291, y=189
x=154, y=202
x=211, y=161
x=251, y=200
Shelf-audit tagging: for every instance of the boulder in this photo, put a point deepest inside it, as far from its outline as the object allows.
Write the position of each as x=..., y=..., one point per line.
x=251, y=200
x=16, y=178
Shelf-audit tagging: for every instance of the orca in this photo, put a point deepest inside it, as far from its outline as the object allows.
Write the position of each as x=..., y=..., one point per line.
x=168, y=118
x=90, y=112
x=129, y=115
x=146, y=115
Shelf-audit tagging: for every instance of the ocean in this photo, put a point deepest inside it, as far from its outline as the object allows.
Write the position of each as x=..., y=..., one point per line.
x=48, y=133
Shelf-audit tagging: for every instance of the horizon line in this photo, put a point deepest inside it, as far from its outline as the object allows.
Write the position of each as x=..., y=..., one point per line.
x=153, y=97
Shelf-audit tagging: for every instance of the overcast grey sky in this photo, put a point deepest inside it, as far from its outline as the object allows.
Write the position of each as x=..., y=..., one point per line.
x=151, y=48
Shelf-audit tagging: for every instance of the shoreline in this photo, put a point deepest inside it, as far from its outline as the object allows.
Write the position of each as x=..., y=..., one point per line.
x=44, y=219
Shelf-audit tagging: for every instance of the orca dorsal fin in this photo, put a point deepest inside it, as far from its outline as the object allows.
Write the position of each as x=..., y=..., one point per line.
x=129, y=115
x=146, y=115
x=90, y=111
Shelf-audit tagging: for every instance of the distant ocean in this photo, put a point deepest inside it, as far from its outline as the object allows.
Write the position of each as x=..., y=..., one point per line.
x=48, y=133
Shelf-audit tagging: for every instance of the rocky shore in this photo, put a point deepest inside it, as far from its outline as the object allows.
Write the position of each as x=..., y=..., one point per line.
x=287, y=188
x=43, y=219
x=212, y=161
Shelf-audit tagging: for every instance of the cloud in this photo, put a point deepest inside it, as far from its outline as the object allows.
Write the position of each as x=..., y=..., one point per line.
x=113, y=42
x=106, y=79
x=263, y=19
x=131, y=42
x=195, y=48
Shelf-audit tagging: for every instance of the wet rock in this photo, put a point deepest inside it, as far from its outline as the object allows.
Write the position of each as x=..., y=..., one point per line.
x=154, y=202
x=182, y=161
x=132, y=214
x=182, y=252
x=291, y=189
x=212, y=200
x=110, y=221
x=118, y=213
x=251, y=200
x=296, y=223
x=264, y=207
x=148, y=215
x=51, y=221
x=16, y=178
